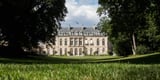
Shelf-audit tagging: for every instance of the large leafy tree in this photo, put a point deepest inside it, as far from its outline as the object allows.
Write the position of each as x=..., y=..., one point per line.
x=150, y=35
x=128, y=19
x=25, y=22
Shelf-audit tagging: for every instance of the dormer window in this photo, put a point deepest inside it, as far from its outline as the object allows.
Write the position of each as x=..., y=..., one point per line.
x=63, y=34
x=72, y=33
x=76, y=33
x=91, y=34
x=80, y=33
x=69, y=33
x=98, y=33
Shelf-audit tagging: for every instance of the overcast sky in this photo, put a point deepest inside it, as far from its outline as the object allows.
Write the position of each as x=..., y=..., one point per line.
x=81, y=13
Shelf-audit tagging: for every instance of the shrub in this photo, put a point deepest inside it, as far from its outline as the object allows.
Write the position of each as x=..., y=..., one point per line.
x=122, y=48
x=141, y=49
x=69, y=53
x=85, y=53
x=96, y=53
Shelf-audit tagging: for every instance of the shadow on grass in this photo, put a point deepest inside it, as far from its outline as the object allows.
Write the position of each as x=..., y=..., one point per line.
x=47, y=60
x=151, y=59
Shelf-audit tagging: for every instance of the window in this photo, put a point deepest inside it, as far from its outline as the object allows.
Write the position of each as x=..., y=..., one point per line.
x=71, y=41
x=97, y=41
x=60, y=34
x=91, y=51
x=64, y=34
x=98, y=33
x=80, y=41
x=75, y=41
x=71, y=51
x=80, y=33
x=91, y=41
x=97, y=51
x=103, y=42
x=88, y=34
x=76, y=33
x=60, y=41
x=75, y=51
x=65, y=50
x=80, y=51
x=69, y=33
x=60, y=51
x=65, y=41
x=103, y=50
x=86, y=42
x=72, y=33
x=91, y=34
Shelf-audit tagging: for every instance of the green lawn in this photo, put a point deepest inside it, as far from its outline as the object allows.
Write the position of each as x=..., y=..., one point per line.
x=140, y=67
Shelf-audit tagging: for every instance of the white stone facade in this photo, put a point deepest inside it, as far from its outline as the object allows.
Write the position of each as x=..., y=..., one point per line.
x=76, y=42
x=81, y=42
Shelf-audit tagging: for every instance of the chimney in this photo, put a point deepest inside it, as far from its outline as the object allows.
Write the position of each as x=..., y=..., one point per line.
x=96, y=27
x=71, y=28
x=84, y=28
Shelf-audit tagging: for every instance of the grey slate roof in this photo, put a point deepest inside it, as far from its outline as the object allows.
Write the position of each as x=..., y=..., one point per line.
x=80, y=31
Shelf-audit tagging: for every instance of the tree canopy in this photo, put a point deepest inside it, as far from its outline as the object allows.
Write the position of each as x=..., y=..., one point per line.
x=25, y=22
x=128, y=20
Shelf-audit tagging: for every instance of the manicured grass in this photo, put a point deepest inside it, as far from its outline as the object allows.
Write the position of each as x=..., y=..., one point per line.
x=141, y=67
x=112, y=71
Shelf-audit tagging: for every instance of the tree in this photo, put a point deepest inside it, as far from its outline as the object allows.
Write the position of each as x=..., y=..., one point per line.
x=150, y=36
x=155, y=8
x=25, y=22
x=127, y=17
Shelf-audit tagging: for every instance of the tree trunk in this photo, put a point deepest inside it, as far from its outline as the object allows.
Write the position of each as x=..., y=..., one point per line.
x=133, y=44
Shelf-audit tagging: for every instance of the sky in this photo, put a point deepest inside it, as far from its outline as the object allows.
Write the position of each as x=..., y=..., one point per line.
x=81, y=13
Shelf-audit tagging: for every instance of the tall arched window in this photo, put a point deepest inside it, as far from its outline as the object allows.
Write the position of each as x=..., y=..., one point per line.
x=80, y=51
x=65, y=50
x=91, y=51
x=75, y=51
x=71, y=41
x=103, y=42
x=97, y=51
x=103, y=50
x=97, y=41
x=61, y=51
x=65, y=41
x=71, y=51
x=60, y=41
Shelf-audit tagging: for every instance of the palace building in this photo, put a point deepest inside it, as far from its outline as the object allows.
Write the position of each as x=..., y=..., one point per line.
x=80, y=41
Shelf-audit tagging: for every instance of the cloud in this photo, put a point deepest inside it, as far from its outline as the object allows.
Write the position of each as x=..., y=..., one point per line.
x=81, y=12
